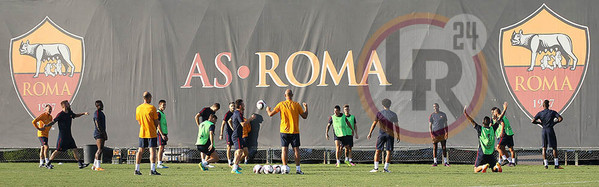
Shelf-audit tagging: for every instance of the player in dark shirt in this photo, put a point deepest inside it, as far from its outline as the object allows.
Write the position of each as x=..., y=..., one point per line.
x=547, y=119
x=229, y=130
x=238, y=123
x=99, y=134
x=437, y=125
x=389, y=130
x=65, y=138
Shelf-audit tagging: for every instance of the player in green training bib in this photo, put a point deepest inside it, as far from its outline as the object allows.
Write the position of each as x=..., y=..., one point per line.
x=162, y=132
x=205, y=141
x=353, y=122
x=486, y=146
x=505, y=138
x=343, y=131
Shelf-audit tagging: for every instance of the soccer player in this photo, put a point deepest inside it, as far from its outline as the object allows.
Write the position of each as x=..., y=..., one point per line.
x=388, y=122
x=547, y=119
x=437, y=126
x=342, y=129
x=353, y=123
x=99, y=134
x=202, y=116
x=229, y=130
x=162, y=132
x=486, y=139
x=205, y=141
x=245, y=135
x=65, y=139
x=42, y=133
x=237, y=136
x=147, y=118
x=290, y=112
x=505, y=138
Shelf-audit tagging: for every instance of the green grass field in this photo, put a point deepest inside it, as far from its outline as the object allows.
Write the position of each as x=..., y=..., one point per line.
x=28, y=174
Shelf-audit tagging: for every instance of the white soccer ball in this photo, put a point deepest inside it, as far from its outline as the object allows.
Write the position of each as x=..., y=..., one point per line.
x=268, y=169
x=257, y=168
x=260, y=104
x=284, y=169
x=277, y=169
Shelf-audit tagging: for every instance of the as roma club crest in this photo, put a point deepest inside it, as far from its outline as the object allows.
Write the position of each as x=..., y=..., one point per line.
x=46, y=65
x=544, y=57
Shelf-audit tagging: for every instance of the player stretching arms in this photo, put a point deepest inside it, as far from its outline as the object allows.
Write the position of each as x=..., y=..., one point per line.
x=205, y=141
x=162, y=132
x=437, y=126
x=99, y=134
x=42, y=133
x=547, y=119
x=505, y=138
x=486, y=139
x=290, y=112
x=353, y=123
x=229, y=130
x=388, y=123
x=343, y=132
x=65, y=138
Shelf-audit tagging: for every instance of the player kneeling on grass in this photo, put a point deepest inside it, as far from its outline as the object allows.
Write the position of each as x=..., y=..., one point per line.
x=205, y=142
x=343, y=132
x=486, y=139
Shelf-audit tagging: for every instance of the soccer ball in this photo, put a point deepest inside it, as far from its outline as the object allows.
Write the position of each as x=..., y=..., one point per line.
x=267, y=169
x=277, y=169
x=284, y=169
x=260, y=104
x=257, y=168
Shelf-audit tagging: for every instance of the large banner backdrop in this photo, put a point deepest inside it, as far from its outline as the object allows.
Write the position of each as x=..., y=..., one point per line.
x=194, y=53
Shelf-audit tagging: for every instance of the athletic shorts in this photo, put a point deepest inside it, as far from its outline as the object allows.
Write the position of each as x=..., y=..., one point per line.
x=346, y=141
x=204, y=149
x=161, y=141
x=238, y=143
x=482, y=159
x=293, y=139
x=64, y=144
x=148, y=142
x=385, y=141
x=506, y=140
x=549, y=139
x=43, y=140
x=439, y=138
x=228, y=138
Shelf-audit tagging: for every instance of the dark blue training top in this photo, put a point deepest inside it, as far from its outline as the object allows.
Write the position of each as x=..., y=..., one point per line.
x=64, y=121
x=547, y=117
x=226, y=118
x=101, y=120
x=237, y=119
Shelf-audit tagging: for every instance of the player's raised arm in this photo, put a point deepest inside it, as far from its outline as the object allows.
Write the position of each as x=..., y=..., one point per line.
x=305, y=113
x=80, y=114
x=468, y=116
x=503, y=112
x=273, y=111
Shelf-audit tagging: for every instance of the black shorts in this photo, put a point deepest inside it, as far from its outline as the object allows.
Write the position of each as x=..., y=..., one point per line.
x=293, y=139
x=385, y=141
x=65, y=143
x=346, y=141
x=148, y=142
x=161, y=141
x=482, y=159
x=228, y=138
x=43, y=140
x=549, y=139
x=238, y=143
x=204, y=149
x=506, y=140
